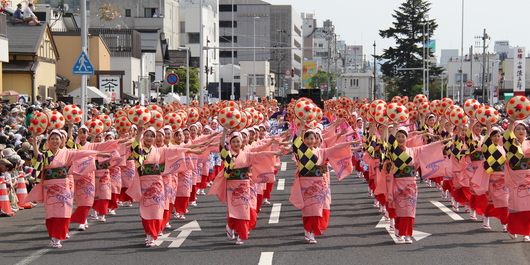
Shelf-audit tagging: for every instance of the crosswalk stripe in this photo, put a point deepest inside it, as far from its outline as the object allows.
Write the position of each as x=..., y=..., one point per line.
x=446, y=210
x=265, y=258
x=284, y=166
x=281, y=184
x=275, y=213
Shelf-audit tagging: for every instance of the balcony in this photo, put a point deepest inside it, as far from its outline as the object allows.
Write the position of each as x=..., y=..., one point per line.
x=149, y=22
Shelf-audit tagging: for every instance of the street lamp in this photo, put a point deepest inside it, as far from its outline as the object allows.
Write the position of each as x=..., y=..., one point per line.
x=187, y=74
x=254, y=60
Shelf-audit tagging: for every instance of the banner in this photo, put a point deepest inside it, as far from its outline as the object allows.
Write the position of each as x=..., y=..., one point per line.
x=519, y=68
x=310, y=70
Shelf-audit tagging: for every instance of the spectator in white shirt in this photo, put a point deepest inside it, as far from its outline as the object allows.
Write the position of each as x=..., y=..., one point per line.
x=29, y=16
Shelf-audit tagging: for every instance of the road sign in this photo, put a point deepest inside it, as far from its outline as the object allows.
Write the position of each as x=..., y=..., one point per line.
x=288, y=72
x=83, y=66
x=469, y=83
x=181, y=237
x=172, y=78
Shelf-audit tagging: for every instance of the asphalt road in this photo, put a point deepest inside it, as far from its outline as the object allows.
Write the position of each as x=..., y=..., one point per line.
x=352, y=237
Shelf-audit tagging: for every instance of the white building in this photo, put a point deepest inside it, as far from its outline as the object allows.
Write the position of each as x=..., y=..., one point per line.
x=357, y=85
x=251, y=71
x=190, y=27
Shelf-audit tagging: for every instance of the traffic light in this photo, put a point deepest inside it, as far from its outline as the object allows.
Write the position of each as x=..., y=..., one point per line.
x=292, y=72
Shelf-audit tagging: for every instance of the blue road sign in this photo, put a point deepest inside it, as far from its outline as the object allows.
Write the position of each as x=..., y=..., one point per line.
x=172, y=78
x=83, y=66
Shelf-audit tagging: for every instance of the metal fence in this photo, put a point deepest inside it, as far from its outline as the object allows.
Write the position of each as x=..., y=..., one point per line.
x=3, y=25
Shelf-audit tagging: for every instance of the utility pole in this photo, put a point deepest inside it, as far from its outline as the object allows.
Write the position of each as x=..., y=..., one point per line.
x=375, y=73
x=483, y=85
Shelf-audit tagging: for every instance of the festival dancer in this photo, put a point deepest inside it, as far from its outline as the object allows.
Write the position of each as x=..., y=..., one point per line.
x=311, y=189
x=517, y=177
x=233, y=184
x=53, y=167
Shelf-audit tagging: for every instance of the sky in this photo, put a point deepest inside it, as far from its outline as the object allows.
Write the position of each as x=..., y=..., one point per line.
x=358, y=21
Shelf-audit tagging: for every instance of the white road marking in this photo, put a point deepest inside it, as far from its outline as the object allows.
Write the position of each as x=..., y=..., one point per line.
x=37, y=254
x=448, y=211
x=418, y=235
x=284, y=166
x=177, y=241
x=33, y=257
x=265, y=258
x=281, y=184
x=275, y=213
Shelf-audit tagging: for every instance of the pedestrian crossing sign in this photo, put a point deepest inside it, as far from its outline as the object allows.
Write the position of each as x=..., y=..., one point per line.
x=83, y=66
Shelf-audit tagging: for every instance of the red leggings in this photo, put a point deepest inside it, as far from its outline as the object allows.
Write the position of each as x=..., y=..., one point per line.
x=181, y=204
x=499, y=213
x=101, y=206
x=151, y=227
x=124, y=197
x=113, y=204
x=519, y=223
x=316, y=224
x=80, y=214
x=405, y=225
x=57, y=227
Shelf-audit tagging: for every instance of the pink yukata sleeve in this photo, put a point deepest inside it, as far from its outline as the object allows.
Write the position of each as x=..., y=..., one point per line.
x=339, y=157
x=175, y=159
x=262, y=166
x=431, y=160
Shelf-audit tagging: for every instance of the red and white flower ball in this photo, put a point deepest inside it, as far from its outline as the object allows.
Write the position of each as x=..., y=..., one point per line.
x=184, y=116
x=156, y=107
x=373, y=105
x=95, y=126
x=396, y=112
x=193, y=115
x=305, y=109
x=341, y=113
x=518, y=107
x=107, y=121
x=244, y=120
x=424, y=108
x=470, y=106
x=380, y=113
x=229, y=117
x=174, y=120
x=72, y=113
x=487, y=113
x=446, y=102
x=38, y=124
x=122, y=124
x=420, y=98
x=138, y=113
x=169, y=108
x=120, y=112
x=434, y=106
x=157, y=120
x=457, y=116
x=55, y=120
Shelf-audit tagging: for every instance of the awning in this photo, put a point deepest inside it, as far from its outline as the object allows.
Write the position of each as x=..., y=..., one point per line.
x=91, y=92
x=129, y=96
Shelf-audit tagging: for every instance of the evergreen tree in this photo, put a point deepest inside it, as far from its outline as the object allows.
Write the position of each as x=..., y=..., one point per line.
x=411, y=31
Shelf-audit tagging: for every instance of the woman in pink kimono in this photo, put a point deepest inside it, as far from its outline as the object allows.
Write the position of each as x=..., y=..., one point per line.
x=148, y=187
x=311, y=191
x=406, y=161
x=233, y=184
x=128, y=171
x=474, y=140
x=517, y=175
x=489, y=179
x=56, y=191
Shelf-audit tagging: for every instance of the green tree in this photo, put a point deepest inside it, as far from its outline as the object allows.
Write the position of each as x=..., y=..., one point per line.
x=180, y=87
x=321, y=78
x=410, y=36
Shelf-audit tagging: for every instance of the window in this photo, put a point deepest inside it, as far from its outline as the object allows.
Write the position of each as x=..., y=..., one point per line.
x=457, y=78
x=320, y=45
x=194, y=37
x=127, y=13
x=227, y=39
x=227, y=8
x=151, y=12
x=297, y=58
x=260, y=80
x=227, y=54
x=182, y=27
x=227, y=24
x=354, y=82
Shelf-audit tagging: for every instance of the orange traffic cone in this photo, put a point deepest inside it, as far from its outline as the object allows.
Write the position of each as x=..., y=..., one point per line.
x=5, y=206
x=22, y=193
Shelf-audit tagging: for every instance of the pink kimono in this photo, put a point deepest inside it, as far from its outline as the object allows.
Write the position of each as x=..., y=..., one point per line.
x=56, y=190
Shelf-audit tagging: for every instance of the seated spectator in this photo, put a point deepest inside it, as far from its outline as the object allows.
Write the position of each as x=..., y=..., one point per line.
x=17, y=15
x=29, y=16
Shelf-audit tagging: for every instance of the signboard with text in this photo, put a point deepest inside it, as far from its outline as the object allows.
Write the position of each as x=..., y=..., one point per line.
x=519, y=69
x=110, y=84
